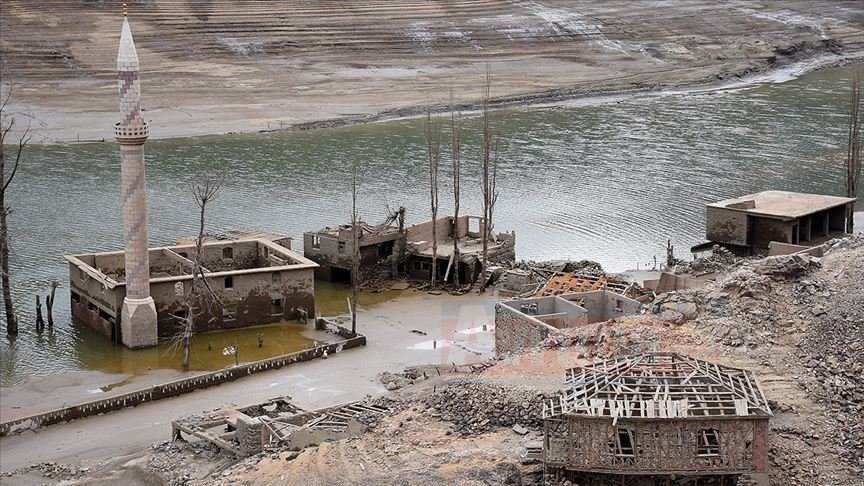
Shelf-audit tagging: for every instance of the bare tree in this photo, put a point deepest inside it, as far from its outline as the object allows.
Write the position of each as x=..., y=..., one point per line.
x=355, y=248
x=433, y=156
x=7, y=122
x=456, y=159
x=200, y=299
x=489, y=162
x=853, y=151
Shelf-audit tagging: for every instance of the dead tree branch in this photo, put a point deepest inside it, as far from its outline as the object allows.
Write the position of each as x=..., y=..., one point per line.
x=456, y=158
x=7, y=175
x=200, y=299
x=355, y=248
x=853, y=150
x=433, y=156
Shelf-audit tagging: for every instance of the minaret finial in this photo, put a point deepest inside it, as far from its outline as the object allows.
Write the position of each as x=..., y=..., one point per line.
x=125, y=12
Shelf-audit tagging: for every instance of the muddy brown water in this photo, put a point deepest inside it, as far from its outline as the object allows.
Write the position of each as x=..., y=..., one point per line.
x=604, y=179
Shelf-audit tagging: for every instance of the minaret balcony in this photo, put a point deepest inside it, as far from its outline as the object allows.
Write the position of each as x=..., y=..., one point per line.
x=133, y=134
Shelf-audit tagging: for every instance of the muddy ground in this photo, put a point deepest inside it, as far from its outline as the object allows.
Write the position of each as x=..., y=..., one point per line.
x=213, y=67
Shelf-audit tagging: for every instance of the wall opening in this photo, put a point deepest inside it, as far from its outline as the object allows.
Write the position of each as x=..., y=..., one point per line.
x=276, y=278
x=341, y=247
x=624, y=443
x=276, y=306
x=76, y=298
x=229, y=282
x=227, y=253
x=178, y=289
x=340, y=274
x=708, y=443
x=316, y=241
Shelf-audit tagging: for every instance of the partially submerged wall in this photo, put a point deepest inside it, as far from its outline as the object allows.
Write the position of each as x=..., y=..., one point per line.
x=175, y=388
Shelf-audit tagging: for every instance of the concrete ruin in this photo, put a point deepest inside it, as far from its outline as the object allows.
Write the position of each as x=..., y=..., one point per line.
x=750, y=223
x=331, y=248
x=523, y=324
x=247, y=430
x=657, y=418
x=258, y=282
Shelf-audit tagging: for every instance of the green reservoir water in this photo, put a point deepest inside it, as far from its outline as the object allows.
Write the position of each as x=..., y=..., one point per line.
x=605, y=179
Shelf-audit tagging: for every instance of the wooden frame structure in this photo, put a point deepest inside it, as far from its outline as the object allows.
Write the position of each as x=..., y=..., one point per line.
x=658, y=414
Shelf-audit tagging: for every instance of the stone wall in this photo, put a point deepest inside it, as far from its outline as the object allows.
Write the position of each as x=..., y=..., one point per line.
x=726, y=226
x=515, y=332
x=174, y=388
x=766, y=230
x=249, y=430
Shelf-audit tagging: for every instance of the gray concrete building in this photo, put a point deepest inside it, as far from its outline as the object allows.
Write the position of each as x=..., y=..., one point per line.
x=522, y=324
x=752, y=222
x=257, y=280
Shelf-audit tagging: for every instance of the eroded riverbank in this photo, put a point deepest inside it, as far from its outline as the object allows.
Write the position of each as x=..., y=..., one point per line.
x=286, y=66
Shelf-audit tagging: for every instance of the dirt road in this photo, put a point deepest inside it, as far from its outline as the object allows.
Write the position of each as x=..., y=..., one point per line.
x=224, y=66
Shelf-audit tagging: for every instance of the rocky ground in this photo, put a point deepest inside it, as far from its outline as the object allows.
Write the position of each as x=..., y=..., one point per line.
x=797, y=322
x=215, y=67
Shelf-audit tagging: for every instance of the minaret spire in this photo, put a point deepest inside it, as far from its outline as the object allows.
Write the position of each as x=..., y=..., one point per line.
x=138, y=322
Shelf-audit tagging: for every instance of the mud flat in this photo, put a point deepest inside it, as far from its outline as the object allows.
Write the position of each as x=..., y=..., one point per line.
x=216, y=67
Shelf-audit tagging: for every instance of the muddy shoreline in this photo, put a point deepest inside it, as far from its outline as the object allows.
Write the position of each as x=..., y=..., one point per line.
x=741, y=79
x=791, y=68
x=209, y=70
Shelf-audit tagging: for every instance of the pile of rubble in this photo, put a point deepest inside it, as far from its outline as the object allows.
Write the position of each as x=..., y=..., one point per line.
x=179, y=462
x=475, y=406
x=48, y=470
x=833, y=344
x=586, y=267
x=410, y=376
x=619, y=337
x=719, y=260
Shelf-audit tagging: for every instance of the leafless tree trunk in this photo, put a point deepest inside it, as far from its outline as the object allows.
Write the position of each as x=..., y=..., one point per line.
x=853, y=151
x=456, y=156
x=7, y=122
x=200, y=298
x=49, y=303
x=433, y=155
x=401, y=243
x=355, y=248
x=489, y=159
x=40, y=323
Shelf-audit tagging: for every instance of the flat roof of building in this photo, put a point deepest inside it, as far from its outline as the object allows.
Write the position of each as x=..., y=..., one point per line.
x=782, y=204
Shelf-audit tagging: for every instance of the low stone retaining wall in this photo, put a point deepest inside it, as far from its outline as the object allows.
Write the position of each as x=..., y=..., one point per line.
x=175, y=388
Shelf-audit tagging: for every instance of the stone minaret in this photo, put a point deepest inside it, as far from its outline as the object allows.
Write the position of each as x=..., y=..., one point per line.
x=138, y=320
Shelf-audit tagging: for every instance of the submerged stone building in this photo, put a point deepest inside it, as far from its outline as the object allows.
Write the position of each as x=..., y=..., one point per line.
x=257, y=280
x=657, y=418
x=331, y=248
